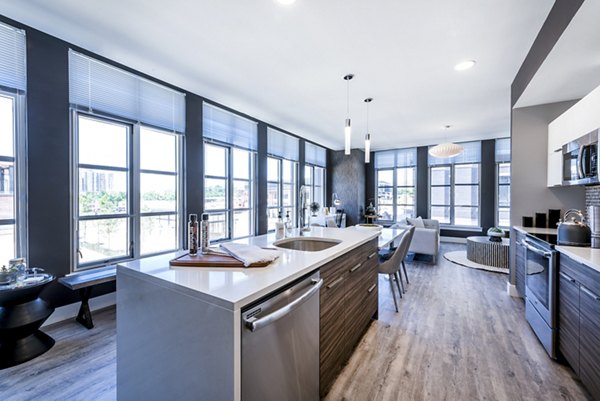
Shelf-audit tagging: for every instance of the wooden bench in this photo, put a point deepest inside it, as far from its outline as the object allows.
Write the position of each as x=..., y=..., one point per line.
x=83, y=282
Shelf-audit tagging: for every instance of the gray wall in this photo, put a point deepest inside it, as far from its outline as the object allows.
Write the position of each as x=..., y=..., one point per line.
x=529, y=193
x=348, y=181
x=529, y=147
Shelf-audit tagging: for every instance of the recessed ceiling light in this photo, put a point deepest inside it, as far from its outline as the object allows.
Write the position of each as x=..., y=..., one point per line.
x=286, y=2
x=464, y=65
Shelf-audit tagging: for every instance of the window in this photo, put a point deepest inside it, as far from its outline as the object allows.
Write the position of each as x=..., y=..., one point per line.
x=314, y=179
x=12, y=144
x=315, y=158
x=395, y=172
x=127, y=164
x=281, y=189
x=503, y=181
x=121, y=203
x=229, y=171
x=282, y=173
x=228, y=191
x=454, y=187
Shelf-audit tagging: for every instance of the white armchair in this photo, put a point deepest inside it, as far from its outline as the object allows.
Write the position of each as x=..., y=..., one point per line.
x=426, y=240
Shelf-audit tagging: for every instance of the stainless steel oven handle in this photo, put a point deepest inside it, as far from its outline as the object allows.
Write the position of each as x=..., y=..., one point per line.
x=254, y=324
x=533, y=249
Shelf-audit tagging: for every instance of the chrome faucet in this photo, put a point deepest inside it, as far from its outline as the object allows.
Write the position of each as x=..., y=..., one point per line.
x=302, y=210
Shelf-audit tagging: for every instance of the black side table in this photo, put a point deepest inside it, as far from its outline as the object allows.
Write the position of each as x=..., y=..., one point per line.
x=22, y=313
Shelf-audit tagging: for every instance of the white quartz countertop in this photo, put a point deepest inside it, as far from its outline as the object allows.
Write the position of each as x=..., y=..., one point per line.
x=536, y=230
x=585, y=255
x=234, y=288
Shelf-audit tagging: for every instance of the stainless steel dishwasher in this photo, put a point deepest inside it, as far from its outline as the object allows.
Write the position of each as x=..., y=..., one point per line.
x=280, y=344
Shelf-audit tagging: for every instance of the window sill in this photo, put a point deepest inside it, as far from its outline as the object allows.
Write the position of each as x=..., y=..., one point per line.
x=461, y=228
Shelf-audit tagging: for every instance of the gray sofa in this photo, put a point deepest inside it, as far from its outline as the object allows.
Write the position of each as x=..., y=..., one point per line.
x=426, y=240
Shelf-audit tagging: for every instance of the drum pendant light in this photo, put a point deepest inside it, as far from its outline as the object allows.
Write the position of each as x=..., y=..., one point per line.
x=348, y=126
x=368, y=135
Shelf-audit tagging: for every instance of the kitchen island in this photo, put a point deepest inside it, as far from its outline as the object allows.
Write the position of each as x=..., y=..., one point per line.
x=178, y=330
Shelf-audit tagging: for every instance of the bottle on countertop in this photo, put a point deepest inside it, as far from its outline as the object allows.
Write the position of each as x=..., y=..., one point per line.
x=193, y=234
x=204, y=240
x=288, y=223
x=279, y=227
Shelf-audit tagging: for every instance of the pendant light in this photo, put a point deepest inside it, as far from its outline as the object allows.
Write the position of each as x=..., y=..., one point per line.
x=368, y=135
x=446, y=150
x=348, y=126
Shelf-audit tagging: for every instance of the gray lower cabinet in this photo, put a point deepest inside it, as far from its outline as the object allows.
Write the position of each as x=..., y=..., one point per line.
x=348, y=302
x=520, y=262
x=579, y=321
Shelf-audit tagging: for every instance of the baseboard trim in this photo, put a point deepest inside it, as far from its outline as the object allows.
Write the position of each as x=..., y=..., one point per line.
x=70, y=311
x=454, y=240
x=511, y=289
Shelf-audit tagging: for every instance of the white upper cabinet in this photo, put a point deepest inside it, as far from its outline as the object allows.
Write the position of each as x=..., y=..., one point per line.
x=579, y=120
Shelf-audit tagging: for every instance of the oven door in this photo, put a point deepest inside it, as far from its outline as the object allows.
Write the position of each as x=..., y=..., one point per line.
x=540, y=280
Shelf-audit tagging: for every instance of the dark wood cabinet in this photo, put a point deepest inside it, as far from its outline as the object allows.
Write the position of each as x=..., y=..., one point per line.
x=348, y=302
x=568, y=319
x=589, y=340
x=520, y=262
x=579, y=321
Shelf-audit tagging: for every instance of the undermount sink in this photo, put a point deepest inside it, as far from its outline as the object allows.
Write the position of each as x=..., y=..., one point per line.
x=306, y=244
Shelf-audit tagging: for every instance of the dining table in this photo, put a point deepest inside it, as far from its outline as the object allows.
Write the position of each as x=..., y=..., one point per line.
x=386, y=235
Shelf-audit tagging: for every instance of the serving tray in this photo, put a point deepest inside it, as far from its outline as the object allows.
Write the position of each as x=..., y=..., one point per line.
x=211, y=260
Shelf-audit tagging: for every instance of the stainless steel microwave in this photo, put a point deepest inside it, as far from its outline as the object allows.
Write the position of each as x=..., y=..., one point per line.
x=580, y=160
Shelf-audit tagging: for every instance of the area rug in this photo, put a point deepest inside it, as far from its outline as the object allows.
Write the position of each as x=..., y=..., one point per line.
x=460, y=258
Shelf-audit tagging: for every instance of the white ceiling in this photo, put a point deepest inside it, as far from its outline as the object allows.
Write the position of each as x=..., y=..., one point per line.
x=572, y=69
x=284, y=65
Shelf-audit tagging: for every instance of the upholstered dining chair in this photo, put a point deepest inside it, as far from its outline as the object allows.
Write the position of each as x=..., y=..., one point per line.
x=391, y=266
x=407, y=242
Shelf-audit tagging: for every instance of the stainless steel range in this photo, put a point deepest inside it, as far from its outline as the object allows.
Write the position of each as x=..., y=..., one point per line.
x=541, y=289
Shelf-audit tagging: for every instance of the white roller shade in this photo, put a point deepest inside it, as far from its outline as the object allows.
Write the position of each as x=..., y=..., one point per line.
x=223, y=126
x=396, y=158
x=471, y=154
x=503, y=150
x=315, y=155
x=95, y=85
x=282, y=145
x=13, y=68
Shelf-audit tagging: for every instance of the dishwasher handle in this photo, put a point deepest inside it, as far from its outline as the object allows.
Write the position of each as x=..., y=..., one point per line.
x=254, y=324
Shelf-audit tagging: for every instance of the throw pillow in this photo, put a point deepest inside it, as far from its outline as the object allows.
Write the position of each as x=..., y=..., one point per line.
x=418, y=222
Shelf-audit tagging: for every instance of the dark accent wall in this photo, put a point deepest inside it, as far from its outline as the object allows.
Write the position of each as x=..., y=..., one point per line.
x=558, y=19
x=194, y=160
x=261, y=174
x=348, y=176
x=422, y=182
x=370, y=184
x=488, y=187
x=48, y=154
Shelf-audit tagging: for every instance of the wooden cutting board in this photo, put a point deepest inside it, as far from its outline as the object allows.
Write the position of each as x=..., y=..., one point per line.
x=211, y=260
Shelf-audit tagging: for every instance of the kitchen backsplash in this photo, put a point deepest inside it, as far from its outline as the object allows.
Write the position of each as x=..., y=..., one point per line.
x=592, y=197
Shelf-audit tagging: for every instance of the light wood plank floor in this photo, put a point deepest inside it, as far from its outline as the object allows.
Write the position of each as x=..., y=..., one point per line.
x=458, y=336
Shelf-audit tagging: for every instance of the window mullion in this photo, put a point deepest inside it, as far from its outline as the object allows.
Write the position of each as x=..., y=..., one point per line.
x=134, y=165
x=230, y=192
x=452, y=195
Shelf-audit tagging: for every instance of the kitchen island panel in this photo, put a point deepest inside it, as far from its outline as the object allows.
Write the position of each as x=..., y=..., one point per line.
x=173, y=346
